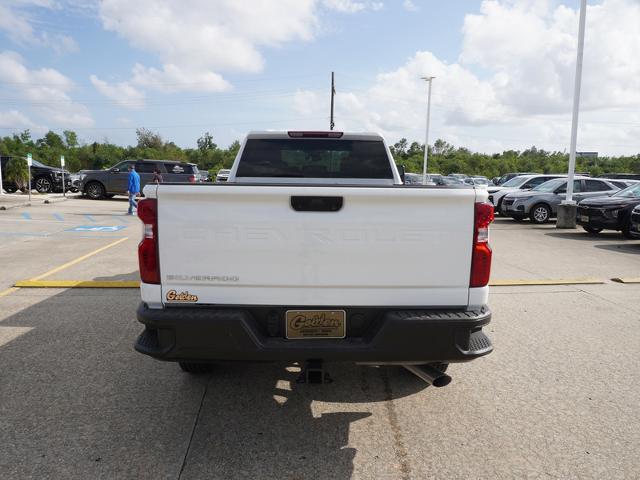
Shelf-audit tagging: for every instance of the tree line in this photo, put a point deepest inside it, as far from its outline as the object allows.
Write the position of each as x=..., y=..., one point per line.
x=444, y=158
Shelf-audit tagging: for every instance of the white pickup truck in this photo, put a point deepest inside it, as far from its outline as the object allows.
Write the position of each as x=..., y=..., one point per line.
x=315, y=251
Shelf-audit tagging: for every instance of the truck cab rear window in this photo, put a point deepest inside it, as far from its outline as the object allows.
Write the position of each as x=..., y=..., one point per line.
x=314, y=158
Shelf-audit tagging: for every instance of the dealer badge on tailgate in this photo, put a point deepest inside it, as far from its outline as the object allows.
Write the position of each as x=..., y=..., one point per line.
x=316, y=324
x=186, y=297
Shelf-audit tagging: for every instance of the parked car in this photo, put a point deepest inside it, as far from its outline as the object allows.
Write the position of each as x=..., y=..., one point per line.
x=416, y=179
x=479, y=181
x=317, y=282
x=223, y=175
x=459, y=176
x=99, y=184
x=44, y=178
x=497, y=181
x=634, y=228
x=610, y=212
x=627, y=176
x=621, y=183
x=521, y=182
x=540, y=204
x=75, y=182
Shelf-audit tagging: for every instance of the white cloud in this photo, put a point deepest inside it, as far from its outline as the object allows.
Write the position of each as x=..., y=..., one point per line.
x=526, y=52
x=16, y=120
x=45, y=90
x=209, y=36
x=16, y=23
x=173, y=78
x=122, y=93
x=531, y=49
x=198, y=44
x=351, y=6
x=409, y=6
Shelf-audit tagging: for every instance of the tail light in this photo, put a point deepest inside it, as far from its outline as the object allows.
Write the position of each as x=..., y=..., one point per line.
x=481, y=254
x=148, y=247
x=192, y=179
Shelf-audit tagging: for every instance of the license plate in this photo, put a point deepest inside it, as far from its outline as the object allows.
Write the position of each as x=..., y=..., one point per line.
x=316, y=324
x=584, y=218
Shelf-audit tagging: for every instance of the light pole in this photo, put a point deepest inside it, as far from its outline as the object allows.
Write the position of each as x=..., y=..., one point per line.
x=567, y=209
x=426, y=141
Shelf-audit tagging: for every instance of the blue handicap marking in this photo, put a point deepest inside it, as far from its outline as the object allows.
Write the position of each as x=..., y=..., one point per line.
x=97, y=228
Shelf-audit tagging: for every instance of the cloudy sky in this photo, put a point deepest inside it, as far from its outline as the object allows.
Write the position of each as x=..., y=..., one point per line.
x=504, y=69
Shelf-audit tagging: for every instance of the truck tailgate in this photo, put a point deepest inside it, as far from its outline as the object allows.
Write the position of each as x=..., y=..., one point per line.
x=246, y=245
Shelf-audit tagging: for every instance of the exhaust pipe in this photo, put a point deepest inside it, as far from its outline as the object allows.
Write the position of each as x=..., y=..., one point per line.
x=429, y=374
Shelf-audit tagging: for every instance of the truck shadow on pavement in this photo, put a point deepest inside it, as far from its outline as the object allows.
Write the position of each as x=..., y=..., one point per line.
x=76, y=401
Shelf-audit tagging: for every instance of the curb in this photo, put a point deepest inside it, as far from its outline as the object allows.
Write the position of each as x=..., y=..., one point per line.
x=9, y=207
x=56, y=200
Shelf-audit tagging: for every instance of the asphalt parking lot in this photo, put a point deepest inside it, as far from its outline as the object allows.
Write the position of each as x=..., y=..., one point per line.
x=558, y=398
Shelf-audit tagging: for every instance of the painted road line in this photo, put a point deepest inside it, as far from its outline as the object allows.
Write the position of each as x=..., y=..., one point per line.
x=79, y=259
x=90, y=218
x=57, y=216
x=516, y=283
x=8, y=334
x=96, y=228
x=627, y=280
x=8, y=291
x=26, y=216
x=77, y=284
x=19, y=234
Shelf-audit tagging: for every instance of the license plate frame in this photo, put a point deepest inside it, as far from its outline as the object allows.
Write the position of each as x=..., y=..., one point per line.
x=584, y=218
x=315, y=324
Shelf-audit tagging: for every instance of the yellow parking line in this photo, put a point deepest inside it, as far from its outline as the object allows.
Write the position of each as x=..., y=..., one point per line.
x=627, y=280
x=78, y=284
x=79, y=259
x=8, y=291
x=515, y=283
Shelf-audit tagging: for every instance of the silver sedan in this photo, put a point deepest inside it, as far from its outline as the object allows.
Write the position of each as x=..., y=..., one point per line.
x=541, y=203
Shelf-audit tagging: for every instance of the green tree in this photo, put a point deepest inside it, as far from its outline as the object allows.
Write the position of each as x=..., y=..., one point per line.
x=205, y=143
x=148, y=139
x=70, y=139
x=17, y=172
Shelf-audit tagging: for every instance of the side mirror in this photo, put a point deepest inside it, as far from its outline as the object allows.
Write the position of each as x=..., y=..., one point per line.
x=402, y=172
x=495, y=180
x=114, y=170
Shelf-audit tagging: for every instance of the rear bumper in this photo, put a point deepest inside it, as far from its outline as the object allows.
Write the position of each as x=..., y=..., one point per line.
x=235, y=334
x=599, y=222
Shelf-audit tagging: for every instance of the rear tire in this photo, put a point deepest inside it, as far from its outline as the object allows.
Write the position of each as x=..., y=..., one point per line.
x=95, y=190
x=591, y=230
x=540, y=213
x=196, y=368
x=43, y=185
x=10, y=188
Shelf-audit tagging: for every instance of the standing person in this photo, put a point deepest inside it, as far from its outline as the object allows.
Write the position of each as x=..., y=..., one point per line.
x=157, y=176
x=133, y=188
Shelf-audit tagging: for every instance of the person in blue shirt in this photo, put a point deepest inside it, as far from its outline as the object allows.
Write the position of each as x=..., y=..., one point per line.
x=133, y=188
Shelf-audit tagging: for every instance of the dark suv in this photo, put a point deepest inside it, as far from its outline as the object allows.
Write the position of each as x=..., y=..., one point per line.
x=44, y=179
x=98, y=184
x=609, y=212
